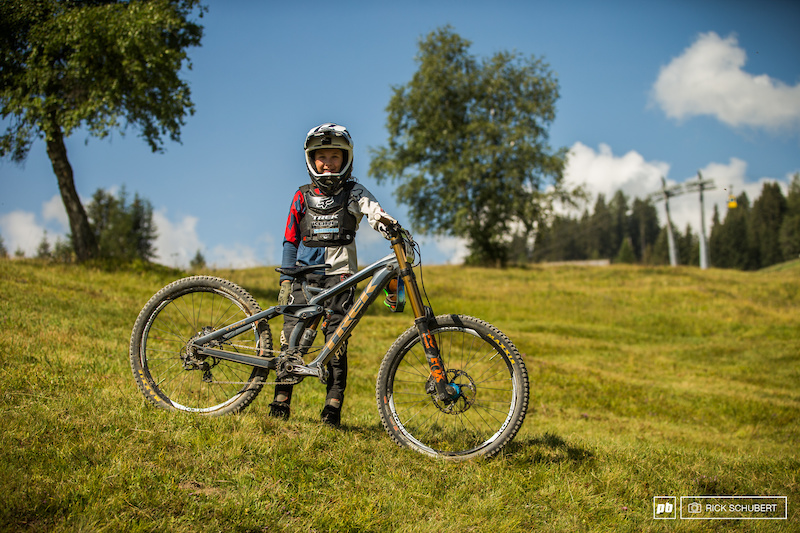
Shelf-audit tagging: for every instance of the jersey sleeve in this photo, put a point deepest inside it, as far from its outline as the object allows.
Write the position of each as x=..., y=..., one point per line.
x=367, y=205
x=291, y=236
x=296, y=212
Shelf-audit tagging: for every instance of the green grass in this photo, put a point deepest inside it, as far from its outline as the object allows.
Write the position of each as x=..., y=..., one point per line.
x=645, y=382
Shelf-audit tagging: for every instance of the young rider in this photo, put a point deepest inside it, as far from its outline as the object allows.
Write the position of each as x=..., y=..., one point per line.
x=321, y=228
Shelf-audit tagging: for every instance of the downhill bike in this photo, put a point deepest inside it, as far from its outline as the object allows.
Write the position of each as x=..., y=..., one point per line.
x=451, y=386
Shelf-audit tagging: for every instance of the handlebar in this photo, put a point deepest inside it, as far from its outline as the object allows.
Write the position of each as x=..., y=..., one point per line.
x=399, y=236
x=393, y=228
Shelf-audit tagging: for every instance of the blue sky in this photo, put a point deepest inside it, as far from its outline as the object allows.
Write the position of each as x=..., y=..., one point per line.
x=647, y=89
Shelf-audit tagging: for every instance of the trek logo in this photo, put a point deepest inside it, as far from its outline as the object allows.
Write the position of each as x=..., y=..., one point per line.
x=352, y=317
x=664, y=508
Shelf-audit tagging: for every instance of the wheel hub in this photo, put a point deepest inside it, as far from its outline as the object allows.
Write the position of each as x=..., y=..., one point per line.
x=462, y=396
x=192, y=360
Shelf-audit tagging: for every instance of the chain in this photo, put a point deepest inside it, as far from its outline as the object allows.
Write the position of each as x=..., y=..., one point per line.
x=292, y=382
x=253, y=349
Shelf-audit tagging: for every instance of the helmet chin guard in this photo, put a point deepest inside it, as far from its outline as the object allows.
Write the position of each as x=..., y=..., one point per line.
x=329, y=135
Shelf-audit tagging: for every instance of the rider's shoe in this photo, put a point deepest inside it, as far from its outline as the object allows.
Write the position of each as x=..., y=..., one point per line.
x=279, y=410
x=331, y=416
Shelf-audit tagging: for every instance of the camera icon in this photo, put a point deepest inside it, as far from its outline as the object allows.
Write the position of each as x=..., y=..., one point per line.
x=694, y=508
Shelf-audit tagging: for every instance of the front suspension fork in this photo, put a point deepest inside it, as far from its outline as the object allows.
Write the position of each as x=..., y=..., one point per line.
x=422, y=315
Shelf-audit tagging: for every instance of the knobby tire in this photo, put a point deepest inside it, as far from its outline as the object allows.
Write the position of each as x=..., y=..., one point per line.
x=491, y=376
x=181, y=311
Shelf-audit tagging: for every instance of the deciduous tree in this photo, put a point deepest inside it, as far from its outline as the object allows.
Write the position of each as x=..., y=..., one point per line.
x=93, y=64
x=468, y=144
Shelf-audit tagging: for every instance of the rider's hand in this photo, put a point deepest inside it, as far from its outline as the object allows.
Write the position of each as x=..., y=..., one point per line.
x=286, y=290
x=385, y=222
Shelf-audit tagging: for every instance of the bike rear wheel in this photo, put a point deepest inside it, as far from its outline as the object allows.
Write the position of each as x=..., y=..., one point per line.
x=488, y=373
x=165, y=368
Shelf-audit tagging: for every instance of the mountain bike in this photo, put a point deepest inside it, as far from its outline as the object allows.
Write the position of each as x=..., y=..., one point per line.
x=451, y=386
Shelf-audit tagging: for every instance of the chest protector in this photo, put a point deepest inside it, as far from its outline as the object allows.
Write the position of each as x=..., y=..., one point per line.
x=327, y=221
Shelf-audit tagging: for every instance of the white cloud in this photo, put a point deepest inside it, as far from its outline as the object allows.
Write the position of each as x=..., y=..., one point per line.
x=730, y=178
x=21, y=232
x=453, y=249
x=708, y=79
x=177, y=242
x=53, y=210
x=603, y=172
x=435, y=250
x=235, y=256
x=24, y=230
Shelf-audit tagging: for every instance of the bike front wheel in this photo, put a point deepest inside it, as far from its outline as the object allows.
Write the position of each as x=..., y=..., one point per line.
x=488, y=375
x=166, y=368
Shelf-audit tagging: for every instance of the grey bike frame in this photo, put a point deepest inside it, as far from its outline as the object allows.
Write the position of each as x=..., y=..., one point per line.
x=381, y=273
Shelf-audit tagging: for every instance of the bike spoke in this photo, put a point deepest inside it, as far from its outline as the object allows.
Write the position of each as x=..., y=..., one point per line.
x=471, y=421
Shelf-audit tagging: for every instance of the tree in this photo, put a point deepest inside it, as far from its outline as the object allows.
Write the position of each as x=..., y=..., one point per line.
x=766, y=218
x=643, y=228
x=62, y=252
x=122, y=231
x=92, y=64
x=468, y=145
x=618, y=207
x=600, y=233
x=3, y=251
x=732, y=242
x=626, y=253
x=43, y=251
x=198, y=262
x=688, y=246
x=789, y=236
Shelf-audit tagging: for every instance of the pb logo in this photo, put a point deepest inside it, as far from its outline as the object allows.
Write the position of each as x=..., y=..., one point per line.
x=664, y=508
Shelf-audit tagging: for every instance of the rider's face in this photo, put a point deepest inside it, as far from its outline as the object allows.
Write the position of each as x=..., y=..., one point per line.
x=328, y=160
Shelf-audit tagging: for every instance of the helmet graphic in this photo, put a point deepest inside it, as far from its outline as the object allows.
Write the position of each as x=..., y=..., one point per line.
x=329, y=135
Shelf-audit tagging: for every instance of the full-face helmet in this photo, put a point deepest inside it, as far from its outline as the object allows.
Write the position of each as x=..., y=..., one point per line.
x=329, y=135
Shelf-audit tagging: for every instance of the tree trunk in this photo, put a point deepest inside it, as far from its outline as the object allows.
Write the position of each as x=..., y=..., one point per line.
x=83, y=240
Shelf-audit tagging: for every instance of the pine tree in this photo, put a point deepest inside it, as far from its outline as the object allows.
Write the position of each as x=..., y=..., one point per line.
x=688, y=246
x=789, y=236
x=619, y=219
x=732, y=240
x=198, y=262
x=626, y=253
x=766, y=218
x=643, y=227
x=600, y=231
x=43, y=251
x=123, y=231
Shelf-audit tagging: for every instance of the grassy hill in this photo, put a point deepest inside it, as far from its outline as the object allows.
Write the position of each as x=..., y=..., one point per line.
x=645, y=382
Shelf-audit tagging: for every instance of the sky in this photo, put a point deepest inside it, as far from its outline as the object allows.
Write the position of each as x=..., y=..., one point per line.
x=647, y=89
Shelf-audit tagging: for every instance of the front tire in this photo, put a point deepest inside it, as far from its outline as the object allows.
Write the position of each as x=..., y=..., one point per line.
x=484, y=366
x=181, y=311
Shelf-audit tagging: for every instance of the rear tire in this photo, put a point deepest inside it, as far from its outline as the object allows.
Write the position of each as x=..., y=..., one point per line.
x=487, y=369
x=174, y=316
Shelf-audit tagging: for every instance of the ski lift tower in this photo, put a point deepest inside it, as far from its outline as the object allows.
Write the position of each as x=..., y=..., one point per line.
x=701, y=185
x=665, y=194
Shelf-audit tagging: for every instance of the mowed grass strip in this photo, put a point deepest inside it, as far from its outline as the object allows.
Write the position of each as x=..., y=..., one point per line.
x=644, y=382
